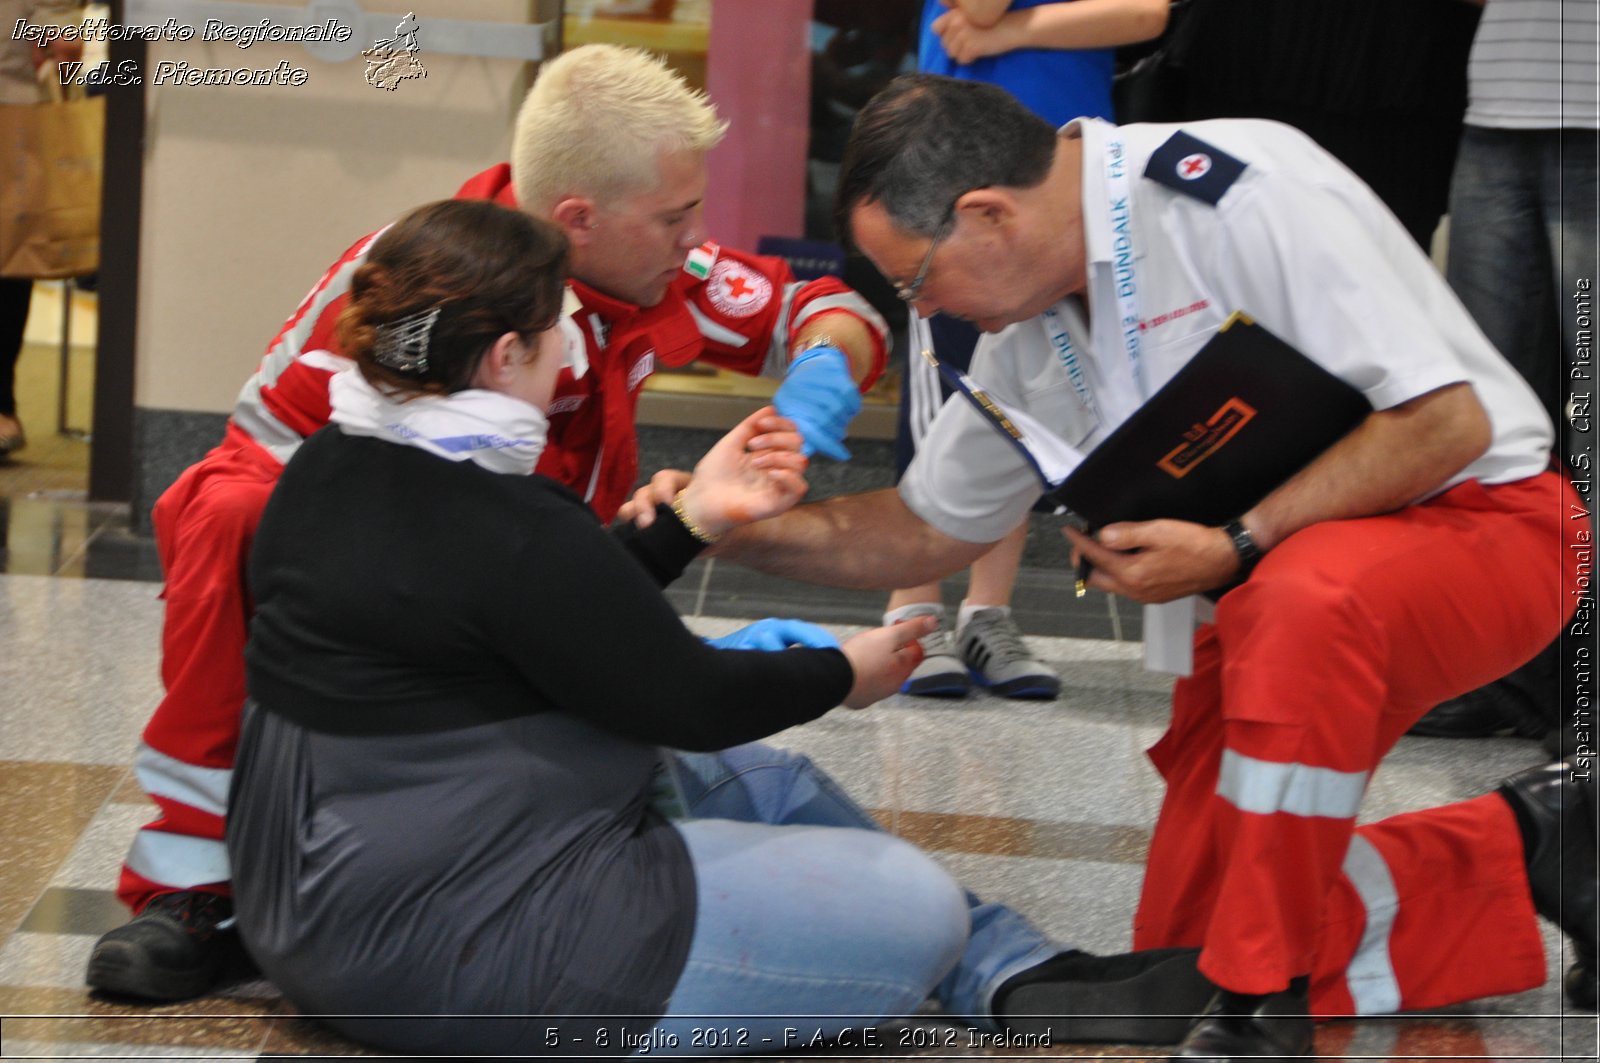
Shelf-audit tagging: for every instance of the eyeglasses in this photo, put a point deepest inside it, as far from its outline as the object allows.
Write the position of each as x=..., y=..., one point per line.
x=910, y=293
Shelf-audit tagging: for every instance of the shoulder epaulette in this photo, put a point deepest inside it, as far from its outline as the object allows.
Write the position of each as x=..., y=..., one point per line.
x=1189, y=165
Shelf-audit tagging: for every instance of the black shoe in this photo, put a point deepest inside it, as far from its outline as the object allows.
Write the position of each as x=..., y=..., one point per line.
x=177, y=948
x=1526, y=702
x=1148, y=997
x=1475, y=714
x=1555, y=808
x=1275, y=1026
x=1583, y=990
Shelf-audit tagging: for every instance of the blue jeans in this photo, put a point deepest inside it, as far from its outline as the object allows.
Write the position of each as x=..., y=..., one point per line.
x=1522, y=240
x=811, y=920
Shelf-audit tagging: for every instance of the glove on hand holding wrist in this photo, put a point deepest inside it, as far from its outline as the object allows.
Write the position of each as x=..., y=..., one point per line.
x=820, y=396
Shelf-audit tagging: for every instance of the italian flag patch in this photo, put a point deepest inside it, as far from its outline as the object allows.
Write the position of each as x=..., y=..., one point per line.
x=700, y=260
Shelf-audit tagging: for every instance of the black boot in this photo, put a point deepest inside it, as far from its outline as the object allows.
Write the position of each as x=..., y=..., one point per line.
x=176, y=948
x=1526, y=703
x=1235, y=1026
x=1148, y=997
x=1480, y=713
x=1555, y=809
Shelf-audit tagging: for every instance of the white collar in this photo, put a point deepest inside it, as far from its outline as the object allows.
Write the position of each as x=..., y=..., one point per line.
x=488, y=428
x=1092, y=134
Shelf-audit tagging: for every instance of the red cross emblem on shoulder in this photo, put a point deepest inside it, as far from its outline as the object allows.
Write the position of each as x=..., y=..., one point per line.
x=736, y=289
x=1193, y=167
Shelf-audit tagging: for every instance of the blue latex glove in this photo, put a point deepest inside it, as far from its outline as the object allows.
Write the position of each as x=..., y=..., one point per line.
x=820, y=396
x=774, y=633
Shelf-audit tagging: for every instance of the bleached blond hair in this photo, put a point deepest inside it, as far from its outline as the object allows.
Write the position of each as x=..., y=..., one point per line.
x=596, y=121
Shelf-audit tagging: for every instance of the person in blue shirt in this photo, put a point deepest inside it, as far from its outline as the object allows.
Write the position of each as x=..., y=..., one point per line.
x=1055, y=56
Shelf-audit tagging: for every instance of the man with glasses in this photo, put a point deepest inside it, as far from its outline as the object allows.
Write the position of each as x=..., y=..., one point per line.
x=910, y=293
x=1413, y=559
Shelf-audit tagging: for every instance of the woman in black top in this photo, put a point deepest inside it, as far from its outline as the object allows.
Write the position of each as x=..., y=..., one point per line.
x=443, y=830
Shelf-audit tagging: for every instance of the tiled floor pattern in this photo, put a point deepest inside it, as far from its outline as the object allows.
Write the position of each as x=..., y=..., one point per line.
x=1044, y=806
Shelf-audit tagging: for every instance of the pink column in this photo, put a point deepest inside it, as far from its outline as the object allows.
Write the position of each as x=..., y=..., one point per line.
x=758, y=73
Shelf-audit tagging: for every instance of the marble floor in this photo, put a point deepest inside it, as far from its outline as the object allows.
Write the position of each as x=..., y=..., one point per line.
x=1045, y=806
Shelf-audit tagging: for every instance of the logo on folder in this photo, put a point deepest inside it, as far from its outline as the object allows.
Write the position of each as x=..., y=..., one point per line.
x=1203, y=440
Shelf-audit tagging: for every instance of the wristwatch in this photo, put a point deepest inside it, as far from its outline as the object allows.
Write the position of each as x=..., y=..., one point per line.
x=823, y=340
x=1244, y=544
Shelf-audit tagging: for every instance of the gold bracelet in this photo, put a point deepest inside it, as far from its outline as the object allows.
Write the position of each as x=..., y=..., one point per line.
x=689, y=525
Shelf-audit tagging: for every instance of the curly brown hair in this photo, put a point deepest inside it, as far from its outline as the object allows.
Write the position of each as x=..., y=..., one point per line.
x=488, y=269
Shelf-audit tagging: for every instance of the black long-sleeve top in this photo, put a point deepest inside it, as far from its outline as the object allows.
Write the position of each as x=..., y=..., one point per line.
x=396, y=591
x=440, y=801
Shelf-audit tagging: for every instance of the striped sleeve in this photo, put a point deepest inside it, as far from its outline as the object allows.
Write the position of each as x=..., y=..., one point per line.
x=827, y=295
x=756, y=340
x=287, y=398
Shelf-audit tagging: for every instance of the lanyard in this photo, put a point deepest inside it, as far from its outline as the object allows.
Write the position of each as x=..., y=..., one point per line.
x=1118, y=193
x=1057, y=331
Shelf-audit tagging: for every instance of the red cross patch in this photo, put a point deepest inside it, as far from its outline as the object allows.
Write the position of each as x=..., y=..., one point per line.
x=1193, y=167
x=736, y=289
x=1188, y=165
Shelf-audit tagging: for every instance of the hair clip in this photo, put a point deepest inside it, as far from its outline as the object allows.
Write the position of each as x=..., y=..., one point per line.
x=403, y=345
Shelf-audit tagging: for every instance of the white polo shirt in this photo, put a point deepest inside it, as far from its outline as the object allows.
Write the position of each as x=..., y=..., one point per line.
x=1296, y=241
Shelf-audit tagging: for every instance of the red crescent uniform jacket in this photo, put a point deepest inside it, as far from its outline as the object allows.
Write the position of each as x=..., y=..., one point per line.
x=727, y=308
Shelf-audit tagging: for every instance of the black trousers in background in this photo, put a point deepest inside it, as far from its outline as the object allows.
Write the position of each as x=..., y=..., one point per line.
x=15, y=295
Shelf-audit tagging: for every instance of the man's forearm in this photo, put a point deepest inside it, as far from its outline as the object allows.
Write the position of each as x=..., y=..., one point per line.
x=849, y=333
x=1392, y=458
x=869, y=541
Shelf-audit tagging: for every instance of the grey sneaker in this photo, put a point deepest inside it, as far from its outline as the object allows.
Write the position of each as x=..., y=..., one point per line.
x=941, y=673
x=993, y=648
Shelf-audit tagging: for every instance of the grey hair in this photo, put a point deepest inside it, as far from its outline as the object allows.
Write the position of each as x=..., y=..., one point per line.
x=925, y=140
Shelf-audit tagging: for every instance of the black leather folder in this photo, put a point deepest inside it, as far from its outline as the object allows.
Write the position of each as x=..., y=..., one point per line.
x=1245, y=414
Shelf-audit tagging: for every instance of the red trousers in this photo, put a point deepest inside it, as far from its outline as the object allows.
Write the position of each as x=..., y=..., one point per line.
x=1343, y=637
x=204, y=525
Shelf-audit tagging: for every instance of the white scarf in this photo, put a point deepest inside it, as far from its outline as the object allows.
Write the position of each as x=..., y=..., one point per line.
x=497, y=431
